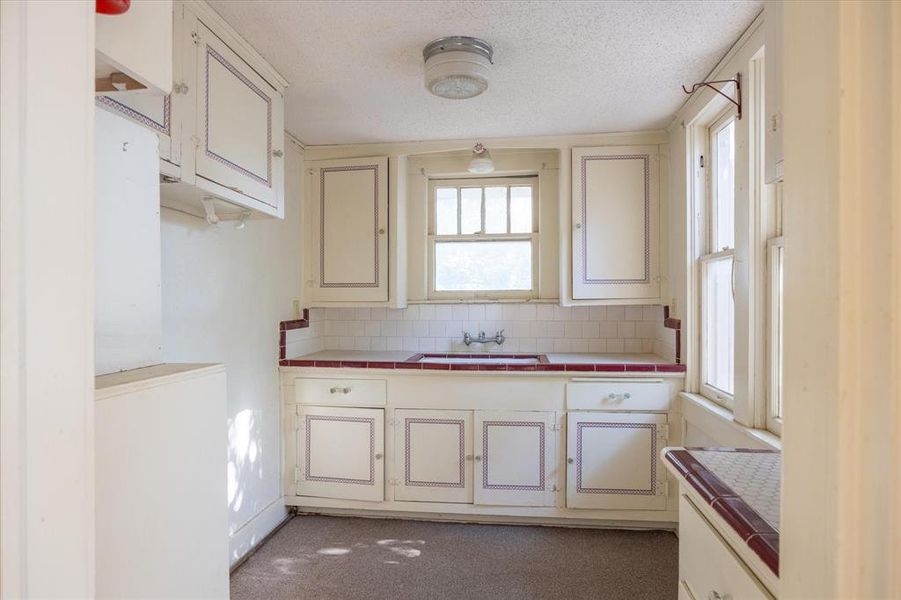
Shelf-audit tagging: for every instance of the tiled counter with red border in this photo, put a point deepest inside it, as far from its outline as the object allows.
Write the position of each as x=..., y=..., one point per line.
x=742, y=486
x=579, y=363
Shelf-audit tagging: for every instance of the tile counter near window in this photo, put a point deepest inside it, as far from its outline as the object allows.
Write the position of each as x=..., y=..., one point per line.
x=737, y=494
x=551, y=363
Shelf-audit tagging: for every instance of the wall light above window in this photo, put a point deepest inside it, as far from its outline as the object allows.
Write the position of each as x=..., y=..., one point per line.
x=481, y=160
x=456, y=67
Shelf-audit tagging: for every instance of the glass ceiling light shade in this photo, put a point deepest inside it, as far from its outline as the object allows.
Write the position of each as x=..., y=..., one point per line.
x=481, y=160
x=456, y=67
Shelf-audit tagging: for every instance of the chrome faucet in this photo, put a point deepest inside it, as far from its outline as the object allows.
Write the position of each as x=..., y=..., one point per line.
x=497, y=339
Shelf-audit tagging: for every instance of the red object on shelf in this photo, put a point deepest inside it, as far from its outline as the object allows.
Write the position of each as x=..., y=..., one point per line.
x=112, y=7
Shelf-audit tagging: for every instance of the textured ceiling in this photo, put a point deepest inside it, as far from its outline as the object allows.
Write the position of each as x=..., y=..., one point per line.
x=355, y=67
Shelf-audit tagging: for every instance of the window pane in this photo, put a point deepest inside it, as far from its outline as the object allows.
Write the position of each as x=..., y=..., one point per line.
x=521, y=209
x=724, y=227
x=717, y=324
x=446, y=211
x=471, y=210
x=495, y=210
x=473, y=266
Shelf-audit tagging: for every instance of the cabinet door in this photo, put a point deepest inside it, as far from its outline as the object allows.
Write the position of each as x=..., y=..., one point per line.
x=340, y=453
x=351, y=213
x=615, y=222
x=432, y=455
x=612, y=460
x=153, y=111
x=515, y=454
x=239, y=123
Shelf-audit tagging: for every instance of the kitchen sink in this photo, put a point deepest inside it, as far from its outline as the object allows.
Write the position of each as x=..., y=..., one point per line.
x=480, y=360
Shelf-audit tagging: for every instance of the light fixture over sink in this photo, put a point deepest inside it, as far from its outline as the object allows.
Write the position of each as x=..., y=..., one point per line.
x=481, y=160
x=456, y=67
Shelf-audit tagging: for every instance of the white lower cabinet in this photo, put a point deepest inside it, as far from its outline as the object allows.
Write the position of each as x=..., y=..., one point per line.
x=708, y=568
x=612, y=460
x=515, y=458
x=340, y=453
x=433, y=455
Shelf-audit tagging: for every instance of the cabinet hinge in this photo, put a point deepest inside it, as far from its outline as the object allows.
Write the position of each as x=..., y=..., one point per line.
x=393, y=482
x=701, y=162
x=554, y=426
x=663, y=431
x=297, y=475
x=663, y=488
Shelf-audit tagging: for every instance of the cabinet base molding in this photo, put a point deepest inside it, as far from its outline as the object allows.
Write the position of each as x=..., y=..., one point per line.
x=497, y=515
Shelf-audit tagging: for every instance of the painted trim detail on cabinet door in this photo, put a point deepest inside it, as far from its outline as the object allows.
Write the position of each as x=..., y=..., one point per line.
x=234, y=71
x=485, y=456
x=370, y=421
x=651, y=427
x=141, y=118
x=443, y=484
x=583, y=205
x=375, y=205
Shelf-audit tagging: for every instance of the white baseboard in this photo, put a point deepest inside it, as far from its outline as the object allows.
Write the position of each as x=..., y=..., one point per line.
x=254, y=531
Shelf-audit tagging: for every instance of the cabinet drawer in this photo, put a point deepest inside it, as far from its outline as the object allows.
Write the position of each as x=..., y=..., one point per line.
x=340, y=392
x=707, y=565
x=617, y=395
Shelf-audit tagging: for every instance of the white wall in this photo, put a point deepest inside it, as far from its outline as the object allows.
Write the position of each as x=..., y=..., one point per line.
x=224, y=293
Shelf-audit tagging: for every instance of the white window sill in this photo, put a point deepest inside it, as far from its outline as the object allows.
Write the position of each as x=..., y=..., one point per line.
x=713, y=419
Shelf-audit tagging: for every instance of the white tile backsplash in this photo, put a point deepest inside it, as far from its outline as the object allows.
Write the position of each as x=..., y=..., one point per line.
x=527, y=327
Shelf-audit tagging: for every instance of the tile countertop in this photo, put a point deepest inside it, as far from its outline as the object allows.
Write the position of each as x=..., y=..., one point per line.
x=638, y=363
x=743, y=487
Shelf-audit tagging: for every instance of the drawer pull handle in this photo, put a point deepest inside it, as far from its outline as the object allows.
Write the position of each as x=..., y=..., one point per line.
x=611, y=396
x=339, y=390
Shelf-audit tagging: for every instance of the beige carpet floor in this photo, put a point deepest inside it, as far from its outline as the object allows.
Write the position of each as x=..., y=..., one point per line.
x=339, y=558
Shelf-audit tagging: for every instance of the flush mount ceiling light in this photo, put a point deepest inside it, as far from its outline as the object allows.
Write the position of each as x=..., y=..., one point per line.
x=456, y=67
x=481, y=160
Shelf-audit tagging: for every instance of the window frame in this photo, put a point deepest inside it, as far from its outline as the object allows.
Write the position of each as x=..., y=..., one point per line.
x=710, y=254
x=775, y=341
x=532, y=237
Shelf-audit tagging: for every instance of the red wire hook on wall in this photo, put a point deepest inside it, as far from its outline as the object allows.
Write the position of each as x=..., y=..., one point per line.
x=737, y=81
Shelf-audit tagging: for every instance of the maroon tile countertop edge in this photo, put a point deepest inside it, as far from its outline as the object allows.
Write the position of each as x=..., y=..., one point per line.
x=757, y=533
x=500, y=366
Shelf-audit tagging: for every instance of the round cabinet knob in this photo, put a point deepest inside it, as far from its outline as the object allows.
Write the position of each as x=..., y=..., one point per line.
x=569, y=461
x=627, y=395
x=378, y=456
x=477, y=458
x=612, y=396
x=578, y=226
x=469, y=457
x=278, y=153
x=382, y=231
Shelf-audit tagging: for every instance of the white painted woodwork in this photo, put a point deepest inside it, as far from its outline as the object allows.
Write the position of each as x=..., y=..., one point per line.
x=128, y=326
x=615, y=222
x=46, y=311
x=617, y=395
x=433, y=455
x=350, y=212
x=340, y=391
x=340, y=452
x=239, y=123
x=161, y=498
x=774, y=169
x=515, y=458
x=612, y=460
x=707, y=565
x=137, y=43
x=151, y=110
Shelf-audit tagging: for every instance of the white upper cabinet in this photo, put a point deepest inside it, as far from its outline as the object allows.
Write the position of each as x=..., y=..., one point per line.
x=350, y=213
x=615, y=223
x=221, y=130
x=137, y=44
x=239, y=121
